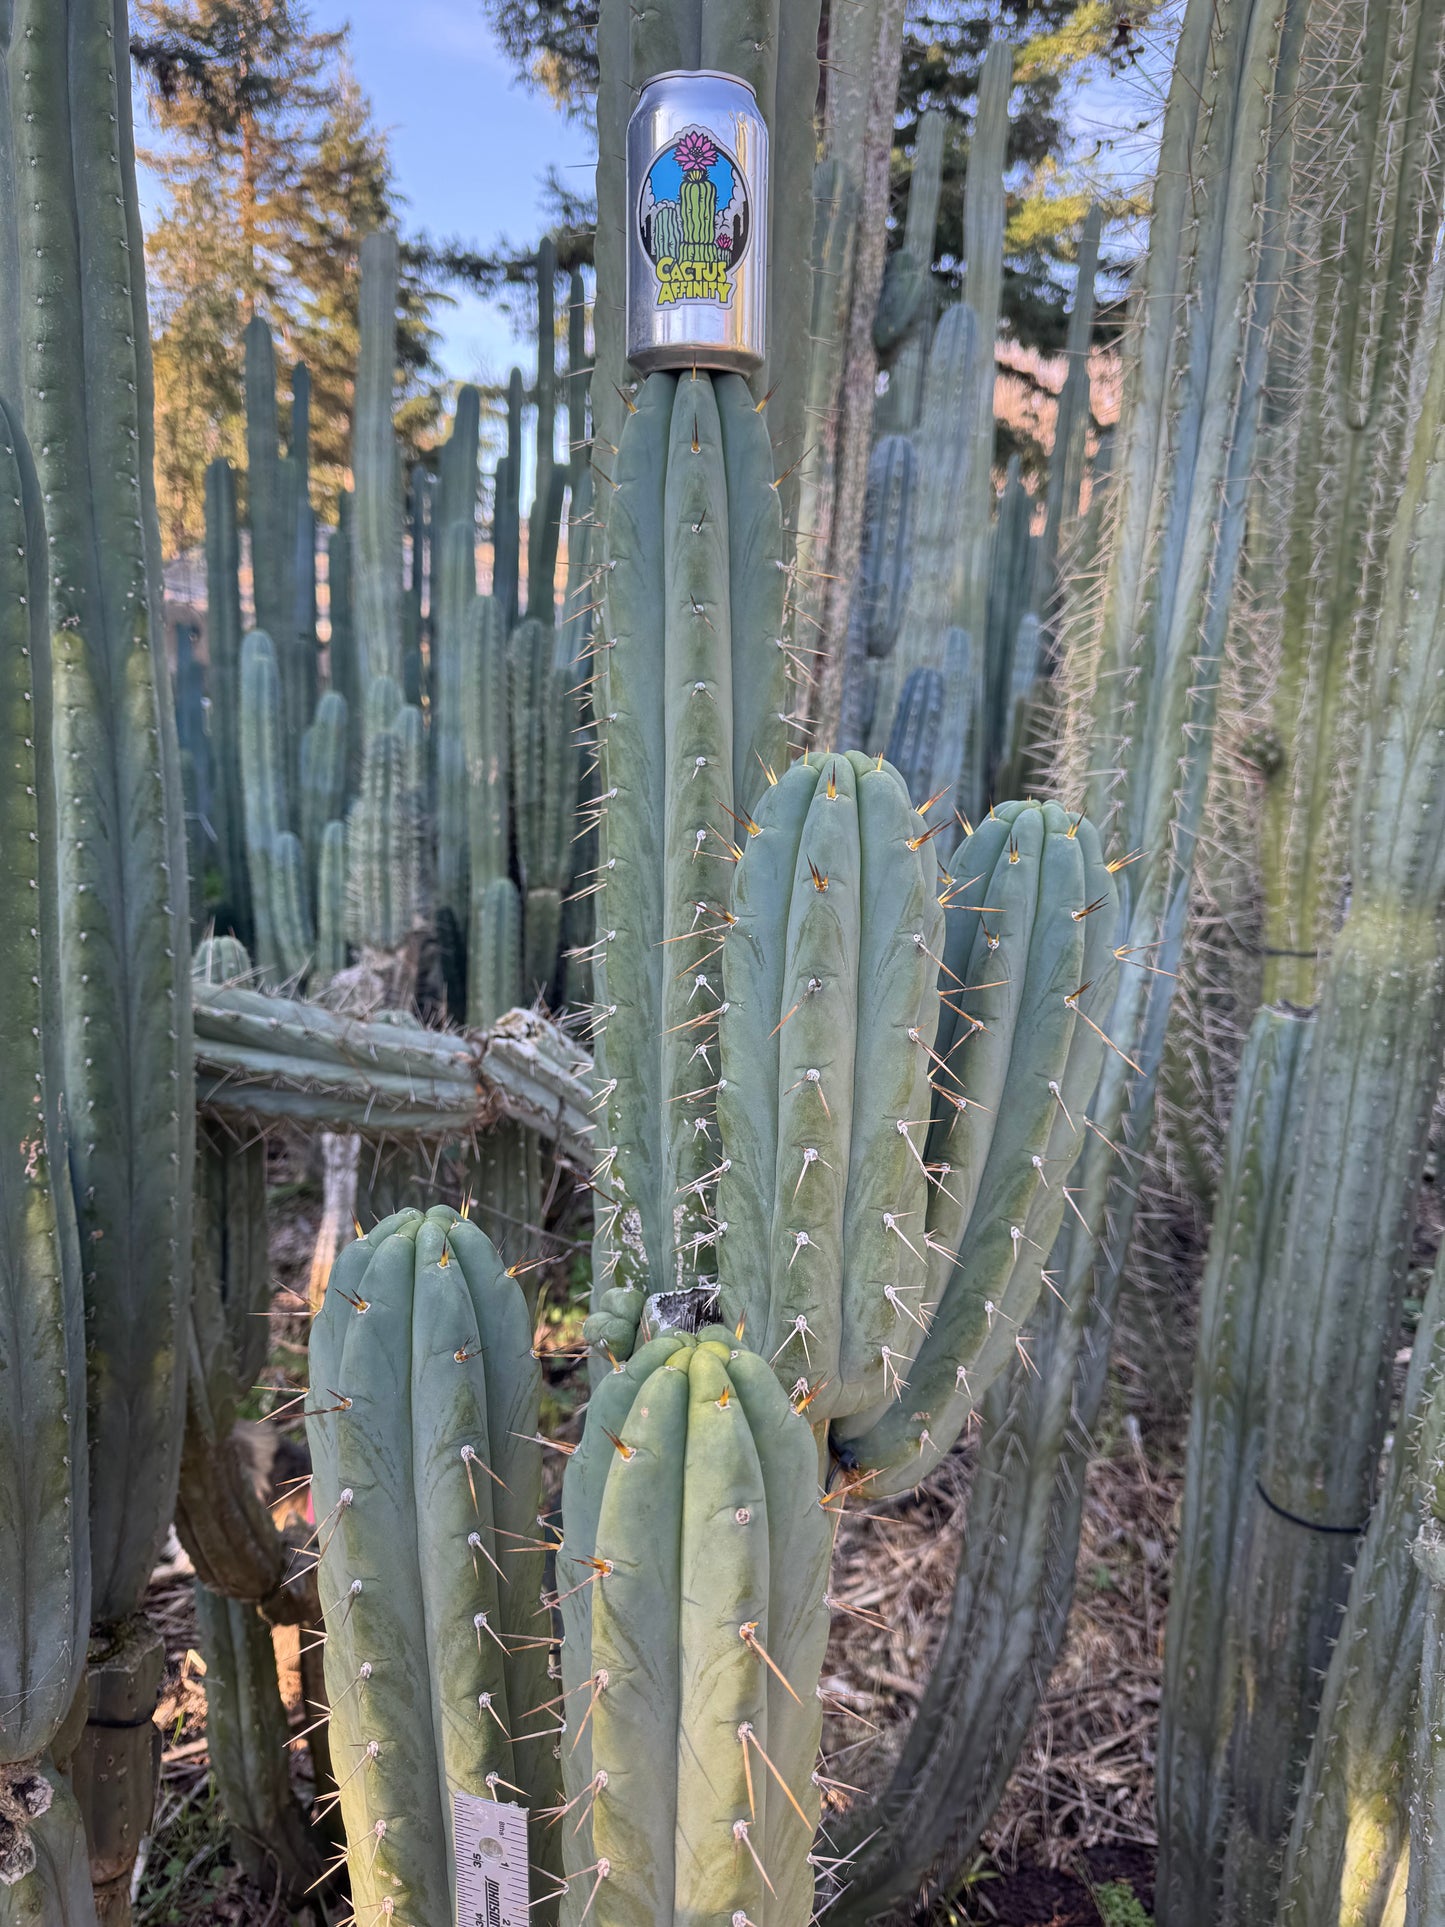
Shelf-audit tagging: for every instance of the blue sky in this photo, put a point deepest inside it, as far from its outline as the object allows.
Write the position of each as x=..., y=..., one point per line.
x=470, y=145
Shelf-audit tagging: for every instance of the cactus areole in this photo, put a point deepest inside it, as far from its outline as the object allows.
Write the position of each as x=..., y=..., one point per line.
x=697, y=254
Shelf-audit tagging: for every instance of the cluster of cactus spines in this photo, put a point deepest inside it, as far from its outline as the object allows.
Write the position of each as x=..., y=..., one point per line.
x=1230, y=1387
x=44, y=1551
x=77, y=355
x=1349, y=1846
x=262, y=1059
x=690, y=1668
x=830, y=989
x=424, y=1382
x=690, y=697
x=376, y=535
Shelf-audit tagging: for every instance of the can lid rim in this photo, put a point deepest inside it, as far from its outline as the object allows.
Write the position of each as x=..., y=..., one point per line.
x=698, y=73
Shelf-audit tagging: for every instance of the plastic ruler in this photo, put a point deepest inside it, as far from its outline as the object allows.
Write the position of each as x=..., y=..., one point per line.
x=491, y=1850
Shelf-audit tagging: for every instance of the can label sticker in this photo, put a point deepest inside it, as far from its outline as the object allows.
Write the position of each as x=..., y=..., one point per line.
x=695, y=218
x=491, y=1852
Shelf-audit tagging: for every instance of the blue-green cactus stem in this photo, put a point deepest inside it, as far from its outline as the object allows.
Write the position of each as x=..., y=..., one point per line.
x=1028, y=968
x=691, y=703
x=44, y=1550
x=428, y=1481
x=323, y=775
x=830, y=993
x=376, y=547
x=692, y=1575
x=454, y=592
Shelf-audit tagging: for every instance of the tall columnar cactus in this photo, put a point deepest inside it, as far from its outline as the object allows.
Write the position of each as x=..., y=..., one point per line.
x=913, y=739
x=323, y=776
x=692, y=1573
x=1230, y=1389
x=1010, y=593
x=418, y=520
x=331, y=920
x=898, y=409
x=1360, y=1147
x=223, y=634
x=77, y=349
x=885, y=568
x=507, y=509
x=1369, y=201
x=381, y=833
x=265, y=796
x=544, y=782
x=454, y=593
x=424, y=1383
x=945, y=447
x=545, y=529
x=376, y=534
x=44, y=1551
x=1140, y=758
x=1071, y=423
x=344, y=662
x=493, y=984
x=984, y=215
x=690, y=697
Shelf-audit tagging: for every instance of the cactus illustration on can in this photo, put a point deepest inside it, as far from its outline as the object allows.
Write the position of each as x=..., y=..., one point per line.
x=694, y=217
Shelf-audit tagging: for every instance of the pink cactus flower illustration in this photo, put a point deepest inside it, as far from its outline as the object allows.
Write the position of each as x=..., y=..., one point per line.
x=725, y=241
x=695, y=152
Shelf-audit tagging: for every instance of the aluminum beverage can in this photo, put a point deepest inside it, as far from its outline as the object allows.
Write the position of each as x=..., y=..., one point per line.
x=697, y=241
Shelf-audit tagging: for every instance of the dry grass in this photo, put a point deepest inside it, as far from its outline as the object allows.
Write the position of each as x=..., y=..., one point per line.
x=1086, y=1773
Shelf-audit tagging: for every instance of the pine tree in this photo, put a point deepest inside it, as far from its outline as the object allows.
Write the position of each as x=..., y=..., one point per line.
x=272, y=169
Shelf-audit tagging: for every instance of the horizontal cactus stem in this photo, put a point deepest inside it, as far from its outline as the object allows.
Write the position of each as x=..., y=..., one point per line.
x=264, y=1060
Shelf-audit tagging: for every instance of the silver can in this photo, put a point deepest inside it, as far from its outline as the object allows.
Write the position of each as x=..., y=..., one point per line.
x=697, y=242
